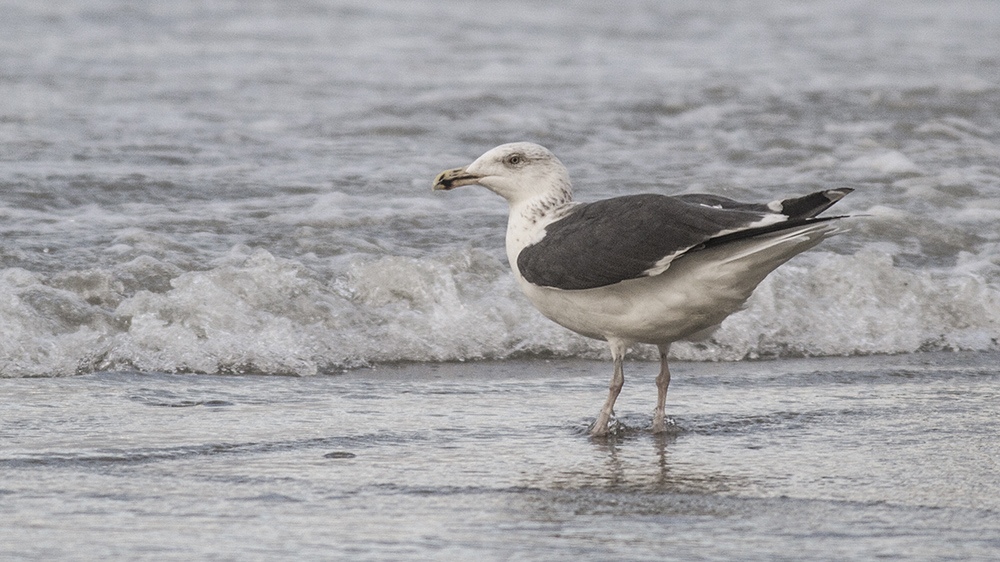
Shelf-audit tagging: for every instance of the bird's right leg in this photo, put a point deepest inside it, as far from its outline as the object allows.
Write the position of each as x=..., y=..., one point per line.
x=618, y=349
x=662, y=382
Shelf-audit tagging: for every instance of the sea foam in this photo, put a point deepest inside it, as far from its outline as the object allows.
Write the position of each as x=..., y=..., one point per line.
x=257, y=313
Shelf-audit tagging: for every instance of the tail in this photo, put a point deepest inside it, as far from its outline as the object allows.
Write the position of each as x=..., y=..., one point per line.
x=736, y=267
x=780, y=246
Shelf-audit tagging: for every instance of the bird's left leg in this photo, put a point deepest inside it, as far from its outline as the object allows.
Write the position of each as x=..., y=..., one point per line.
x=618, y=349
x=662, y=382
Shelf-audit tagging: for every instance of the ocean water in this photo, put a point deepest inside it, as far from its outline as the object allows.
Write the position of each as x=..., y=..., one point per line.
x=195, y=199
x=863, y=458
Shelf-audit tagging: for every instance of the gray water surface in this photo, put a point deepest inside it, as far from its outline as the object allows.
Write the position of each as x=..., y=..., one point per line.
x=196, y=198
x=812, y=459
x=245, y=186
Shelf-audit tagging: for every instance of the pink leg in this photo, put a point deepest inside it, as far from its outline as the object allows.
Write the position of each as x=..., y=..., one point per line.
x=662, y=382
x=618, y=349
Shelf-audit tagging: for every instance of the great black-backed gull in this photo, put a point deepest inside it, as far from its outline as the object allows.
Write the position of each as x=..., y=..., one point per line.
x=640, y=268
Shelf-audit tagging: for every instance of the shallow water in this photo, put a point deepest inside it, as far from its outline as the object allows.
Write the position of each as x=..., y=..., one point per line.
x=810, y=459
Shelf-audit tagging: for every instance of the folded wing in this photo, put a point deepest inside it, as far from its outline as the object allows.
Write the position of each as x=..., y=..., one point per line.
x=610, y=241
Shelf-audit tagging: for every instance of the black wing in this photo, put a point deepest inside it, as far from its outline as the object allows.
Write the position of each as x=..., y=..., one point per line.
x=613, y=240
x=806, y=206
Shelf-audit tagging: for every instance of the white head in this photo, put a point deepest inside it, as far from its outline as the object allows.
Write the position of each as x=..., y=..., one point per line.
x=519, y=172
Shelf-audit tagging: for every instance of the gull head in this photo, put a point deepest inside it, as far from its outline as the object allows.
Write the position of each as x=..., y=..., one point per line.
x=519, y=172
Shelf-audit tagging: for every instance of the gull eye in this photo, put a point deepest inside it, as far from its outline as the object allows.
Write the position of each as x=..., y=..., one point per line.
x=514, y=160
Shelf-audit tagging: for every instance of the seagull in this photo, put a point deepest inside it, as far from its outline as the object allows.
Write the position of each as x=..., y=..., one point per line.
x=646, y=268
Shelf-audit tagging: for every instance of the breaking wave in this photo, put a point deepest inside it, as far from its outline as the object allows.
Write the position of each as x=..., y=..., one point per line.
x=253, y=312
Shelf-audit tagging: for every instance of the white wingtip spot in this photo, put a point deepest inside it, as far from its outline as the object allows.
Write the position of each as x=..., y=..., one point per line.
x=835, y=195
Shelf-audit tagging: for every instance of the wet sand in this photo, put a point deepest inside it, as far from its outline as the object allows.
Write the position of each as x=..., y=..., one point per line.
x=811, y=459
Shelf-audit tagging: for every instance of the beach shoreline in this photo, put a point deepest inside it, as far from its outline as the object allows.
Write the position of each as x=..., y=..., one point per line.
x=825, y=457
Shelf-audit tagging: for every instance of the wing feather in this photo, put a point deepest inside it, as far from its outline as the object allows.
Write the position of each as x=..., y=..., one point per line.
x=612, y=240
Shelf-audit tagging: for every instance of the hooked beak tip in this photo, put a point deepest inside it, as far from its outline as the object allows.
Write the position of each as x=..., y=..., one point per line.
x=450, y=179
